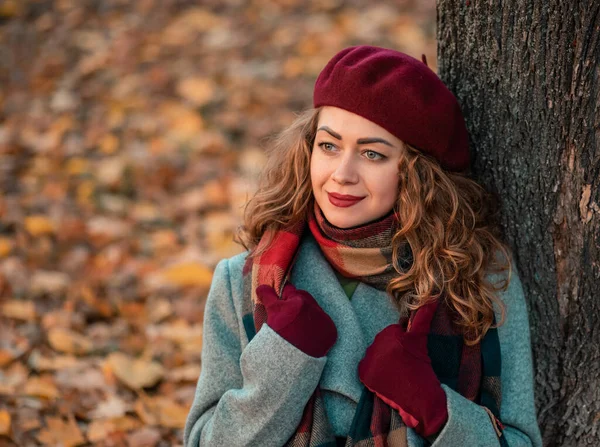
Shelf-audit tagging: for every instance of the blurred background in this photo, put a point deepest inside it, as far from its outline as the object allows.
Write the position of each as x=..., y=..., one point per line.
x=131, y=135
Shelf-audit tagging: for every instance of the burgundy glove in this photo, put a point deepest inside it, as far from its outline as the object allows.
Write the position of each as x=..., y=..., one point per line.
x=299, y=319
x=397, y=368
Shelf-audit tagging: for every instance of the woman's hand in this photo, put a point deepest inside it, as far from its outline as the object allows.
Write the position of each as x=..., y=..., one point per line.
x=397, y=368
x=299, y=319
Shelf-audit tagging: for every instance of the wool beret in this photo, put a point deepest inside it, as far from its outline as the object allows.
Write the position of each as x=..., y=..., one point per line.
x=400, y=94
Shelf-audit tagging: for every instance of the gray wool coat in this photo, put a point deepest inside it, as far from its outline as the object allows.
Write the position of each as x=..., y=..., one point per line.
x=253, y=394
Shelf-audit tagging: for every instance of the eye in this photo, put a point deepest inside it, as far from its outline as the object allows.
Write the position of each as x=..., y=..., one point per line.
x=327, y=147
x=374, y=155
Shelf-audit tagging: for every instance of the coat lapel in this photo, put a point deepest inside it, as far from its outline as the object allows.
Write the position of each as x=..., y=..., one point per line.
x=357, y=320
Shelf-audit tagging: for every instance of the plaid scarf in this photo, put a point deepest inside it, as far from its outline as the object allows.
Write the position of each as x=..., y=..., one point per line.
x=365, y=253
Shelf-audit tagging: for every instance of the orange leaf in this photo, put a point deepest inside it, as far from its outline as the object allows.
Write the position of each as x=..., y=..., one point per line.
x=42, y=386
x=4, y=423
x=60, y=432
x=135, y=373
x=70, y=342
x=38, y=225
x=19, y=310
x=188, y=274
x=6, y=246
x=197, y=90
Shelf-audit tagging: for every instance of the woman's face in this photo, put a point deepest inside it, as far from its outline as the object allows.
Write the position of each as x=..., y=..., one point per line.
x=353, y=156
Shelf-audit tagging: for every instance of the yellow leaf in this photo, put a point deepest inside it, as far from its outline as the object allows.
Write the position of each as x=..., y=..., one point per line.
x=183, y=123
x=51, y=363
x=4, y=423
x=171, y=414
x=135, y=373
x=19, y=310
x=69, y=342
x=9, y=8
x=162, y=411
x=6, y=246
x=188, y=274
x=180, y=332
x=38, y=225
x=109, y=144
x=42, y=386
x=144, y=411
x=77, y=166
x=100, y=429
x=197, y=90
x=84, y=192
x=60, y=432
x=6, y=356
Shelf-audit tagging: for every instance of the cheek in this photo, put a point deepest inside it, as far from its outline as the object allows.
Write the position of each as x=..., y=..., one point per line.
x=318, y=171
x=386, y=186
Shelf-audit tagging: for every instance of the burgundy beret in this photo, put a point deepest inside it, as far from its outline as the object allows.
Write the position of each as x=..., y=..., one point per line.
x=400, y=94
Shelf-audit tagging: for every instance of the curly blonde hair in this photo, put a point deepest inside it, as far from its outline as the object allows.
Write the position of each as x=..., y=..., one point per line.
x=447, y=219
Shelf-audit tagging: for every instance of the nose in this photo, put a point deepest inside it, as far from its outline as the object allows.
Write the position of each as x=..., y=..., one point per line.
x=345, y=171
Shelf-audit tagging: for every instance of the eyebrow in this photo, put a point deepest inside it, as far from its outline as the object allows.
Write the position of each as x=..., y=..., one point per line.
x=359, y=141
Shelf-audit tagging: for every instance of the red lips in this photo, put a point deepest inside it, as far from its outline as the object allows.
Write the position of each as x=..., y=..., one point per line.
x=342, y=200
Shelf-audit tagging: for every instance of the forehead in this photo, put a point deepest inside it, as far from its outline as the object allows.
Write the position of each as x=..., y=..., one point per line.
x=353, y=125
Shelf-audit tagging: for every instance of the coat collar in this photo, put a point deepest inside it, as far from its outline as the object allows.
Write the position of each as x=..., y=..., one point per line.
x=357, y=320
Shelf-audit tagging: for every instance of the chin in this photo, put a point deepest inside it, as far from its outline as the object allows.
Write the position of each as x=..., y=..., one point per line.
x=341, y=221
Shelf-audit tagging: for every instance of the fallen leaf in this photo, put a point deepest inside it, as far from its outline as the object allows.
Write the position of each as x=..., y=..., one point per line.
x=183, y=123
x=110, y=170
x=4, y=423
x=158, y=310
x=77, y=166
x=100, y=429
x=112, y=408
x=6, y=356
x=213, y=194
x=135, y=373
x=189, y=337
x=69, y=342
x=10, y=8
x=186, y=373
x=198, y=91
x=162, y=411
x=49, y=281
x=40, y=362
x=6, y=246
x=61, y=432
x=188, y=274
x=10, y=351
x=109, y=144
x=144, y=437
x=29, y=418
x=19, y=310
x=145, y=411
x=81, y=378
x=171, y=414
x=13, y=378
x=101, y=306
x=38, y=225
x=42, y=386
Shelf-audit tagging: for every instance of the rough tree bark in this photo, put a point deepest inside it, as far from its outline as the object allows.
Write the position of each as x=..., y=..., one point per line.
x=527, y=76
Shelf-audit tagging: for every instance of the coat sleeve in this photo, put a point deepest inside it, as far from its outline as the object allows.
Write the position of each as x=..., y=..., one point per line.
x=250, y=397
x=469, y=423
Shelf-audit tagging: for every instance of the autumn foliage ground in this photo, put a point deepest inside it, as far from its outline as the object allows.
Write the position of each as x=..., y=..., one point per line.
x=131, y=133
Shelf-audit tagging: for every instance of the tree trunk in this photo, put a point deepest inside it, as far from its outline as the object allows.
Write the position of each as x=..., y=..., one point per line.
x=527, y=77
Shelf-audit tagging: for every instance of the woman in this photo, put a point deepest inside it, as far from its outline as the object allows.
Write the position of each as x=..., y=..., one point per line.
x=376, y=304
